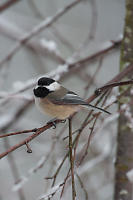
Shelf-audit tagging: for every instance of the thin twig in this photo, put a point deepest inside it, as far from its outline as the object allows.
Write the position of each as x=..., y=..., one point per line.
x=7, y=4
x=103, y=50
x=58, y=169
x=93, y=78
x=71, y=159
x=89, y=139
x=92, y=31
x=53, y=29
x=42, y=26
x=28, y=139
x=82, y=186
x=18, y=133
x=12, y=162
x=69, y=68
x=7, y=28
x=121, y=75
x=60, y=166
x=65, y=180
x=52, y=192
x=111, y=85
x=20, y=110
x=117, y=78
x=66, y=155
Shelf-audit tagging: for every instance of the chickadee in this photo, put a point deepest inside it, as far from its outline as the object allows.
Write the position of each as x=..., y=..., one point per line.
x=57, y=101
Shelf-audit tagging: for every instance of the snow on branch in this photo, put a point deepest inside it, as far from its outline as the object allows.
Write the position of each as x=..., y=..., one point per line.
x=51, y=192
x=37, y=29
x=41, y=46
x=67, y=68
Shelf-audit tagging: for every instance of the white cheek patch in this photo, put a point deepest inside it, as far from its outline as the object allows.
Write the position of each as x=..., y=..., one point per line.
x=36, y=87
x=54, y=86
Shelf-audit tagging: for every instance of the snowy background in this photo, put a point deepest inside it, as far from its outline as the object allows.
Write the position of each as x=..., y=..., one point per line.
x=105, y=18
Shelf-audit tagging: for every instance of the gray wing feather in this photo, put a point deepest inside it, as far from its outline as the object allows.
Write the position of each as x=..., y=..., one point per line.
x=70, y=98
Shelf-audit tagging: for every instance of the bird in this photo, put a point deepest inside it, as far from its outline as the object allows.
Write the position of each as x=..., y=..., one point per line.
x=57, y=101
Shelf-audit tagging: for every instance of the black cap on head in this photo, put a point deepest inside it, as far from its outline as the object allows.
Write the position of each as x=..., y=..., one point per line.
x=44, y=81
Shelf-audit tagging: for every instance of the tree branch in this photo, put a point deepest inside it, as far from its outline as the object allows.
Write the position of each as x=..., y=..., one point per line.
x=28, y=139
x=37, y=29
x=7, y=4
x=71, y=159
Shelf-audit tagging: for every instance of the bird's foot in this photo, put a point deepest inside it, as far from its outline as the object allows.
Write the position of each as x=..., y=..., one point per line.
x=53, y=121
x=63, y=121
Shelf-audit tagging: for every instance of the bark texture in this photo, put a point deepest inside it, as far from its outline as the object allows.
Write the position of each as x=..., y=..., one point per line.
x=124, y=155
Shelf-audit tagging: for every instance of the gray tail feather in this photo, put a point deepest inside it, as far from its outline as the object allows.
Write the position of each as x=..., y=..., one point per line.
x=99, y=108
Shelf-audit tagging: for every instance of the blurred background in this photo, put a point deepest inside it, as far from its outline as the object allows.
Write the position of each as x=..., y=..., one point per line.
x=84, y=29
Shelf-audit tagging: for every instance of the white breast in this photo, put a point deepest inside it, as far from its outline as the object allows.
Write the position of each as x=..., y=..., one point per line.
x=58, y=111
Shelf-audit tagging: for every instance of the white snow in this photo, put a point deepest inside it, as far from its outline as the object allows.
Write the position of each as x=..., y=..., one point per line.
x=50, y=45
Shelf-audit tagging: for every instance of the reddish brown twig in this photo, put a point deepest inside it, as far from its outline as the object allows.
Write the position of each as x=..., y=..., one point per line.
x=99, y=53
x=89, y=139
x=20, y=110
x=118, y=77
x=28, y=139
x=82, y=186
x=78, y=65
x=7, y=4
x=65, y=180
x=18, y=133
x=115, y=84
x=43, y=25
x=121, y=75
x=71, y=159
